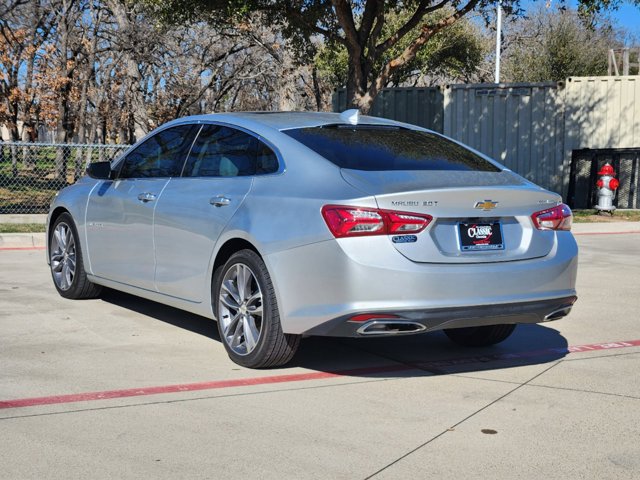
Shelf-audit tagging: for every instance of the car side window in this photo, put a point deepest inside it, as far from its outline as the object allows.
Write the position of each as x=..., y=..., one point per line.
x=226, y=152
x=162, y=155
x=266, y=159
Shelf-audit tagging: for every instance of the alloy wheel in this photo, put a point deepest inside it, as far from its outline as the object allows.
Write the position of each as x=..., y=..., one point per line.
x=63, y=256
x=240, y=309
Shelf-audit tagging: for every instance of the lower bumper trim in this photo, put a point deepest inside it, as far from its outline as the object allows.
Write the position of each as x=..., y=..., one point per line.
x=459, y=317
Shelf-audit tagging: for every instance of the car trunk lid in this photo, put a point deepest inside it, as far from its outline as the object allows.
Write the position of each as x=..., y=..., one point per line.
x=477, y=216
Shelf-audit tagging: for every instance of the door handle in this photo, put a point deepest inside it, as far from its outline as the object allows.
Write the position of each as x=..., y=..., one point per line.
x=146, y=197
x=220, y=201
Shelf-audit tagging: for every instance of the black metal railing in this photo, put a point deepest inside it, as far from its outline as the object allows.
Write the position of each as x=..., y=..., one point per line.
x=585, y=164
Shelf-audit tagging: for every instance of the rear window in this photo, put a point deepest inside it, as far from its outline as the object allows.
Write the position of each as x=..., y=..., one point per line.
x=381, y=148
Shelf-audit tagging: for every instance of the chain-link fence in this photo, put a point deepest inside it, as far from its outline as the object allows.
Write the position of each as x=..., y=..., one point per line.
x=32, y=173
x=585, y=164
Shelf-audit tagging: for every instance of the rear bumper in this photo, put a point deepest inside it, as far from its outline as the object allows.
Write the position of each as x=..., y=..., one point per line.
x=419, y=321
x=329, y=282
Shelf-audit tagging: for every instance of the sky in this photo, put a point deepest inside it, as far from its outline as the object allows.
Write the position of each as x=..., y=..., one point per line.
x=627, y=15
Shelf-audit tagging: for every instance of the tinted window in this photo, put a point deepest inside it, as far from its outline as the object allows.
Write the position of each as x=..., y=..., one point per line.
x=266, y=160
x=160, y=156
x=377, y=148
x=226, y=152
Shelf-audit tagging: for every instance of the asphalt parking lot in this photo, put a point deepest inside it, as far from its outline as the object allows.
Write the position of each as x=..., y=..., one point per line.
x=120, y=387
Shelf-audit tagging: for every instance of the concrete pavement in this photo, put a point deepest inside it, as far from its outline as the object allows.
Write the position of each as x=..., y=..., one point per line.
x=559, y=400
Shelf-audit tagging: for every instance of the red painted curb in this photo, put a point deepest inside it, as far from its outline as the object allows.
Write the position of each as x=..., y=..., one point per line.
x=299, y=377
x=636, y=232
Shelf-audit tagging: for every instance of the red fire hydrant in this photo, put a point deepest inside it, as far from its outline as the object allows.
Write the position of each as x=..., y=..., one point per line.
x=607, y=186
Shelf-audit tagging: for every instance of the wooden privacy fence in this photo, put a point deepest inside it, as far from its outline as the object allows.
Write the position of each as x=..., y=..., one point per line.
x=532, y=128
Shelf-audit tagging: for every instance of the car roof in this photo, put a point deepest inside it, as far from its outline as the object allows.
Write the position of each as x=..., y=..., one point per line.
x=284, y=120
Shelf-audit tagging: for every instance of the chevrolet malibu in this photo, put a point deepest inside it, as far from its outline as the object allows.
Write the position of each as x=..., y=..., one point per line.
x=282, y=225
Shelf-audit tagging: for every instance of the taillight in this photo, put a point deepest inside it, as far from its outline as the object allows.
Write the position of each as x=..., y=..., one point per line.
x=556, y=218
x=399, y=222
x=365, y=317
x=344, y=221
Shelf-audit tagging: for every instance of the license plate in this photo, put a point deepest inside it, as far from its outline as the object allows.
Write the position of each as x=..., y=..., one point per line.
x=480, y=236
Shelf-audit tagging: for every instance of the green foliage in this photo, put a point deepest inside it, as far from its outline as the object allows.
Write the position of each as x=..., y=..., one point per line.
x=297, y=20
x=454, y=53
x=369, y=44
x=557, y=44
x=22, y=227
x=591, y=8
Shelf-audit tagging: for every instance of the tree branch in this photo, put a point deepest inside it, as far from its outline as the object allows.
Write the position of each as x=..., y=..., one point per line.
x=409, y=53
x=412, y=23
x=371, y=10
x=294, y=13
x=345, y=19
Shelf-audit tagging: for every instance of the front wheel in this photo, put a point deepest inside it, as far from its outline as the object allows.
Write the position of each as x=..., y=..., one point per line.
x=480, y=336
x=65, y=258
x=245, y=304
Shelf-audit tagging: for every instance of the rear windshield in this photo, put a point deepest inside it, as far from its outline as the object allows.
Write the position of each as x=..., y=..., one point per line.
x=382, y=148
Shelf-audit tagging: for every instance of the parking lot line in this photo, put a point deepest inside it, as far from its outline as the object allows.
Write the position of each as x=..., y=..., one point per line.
x=298, y=377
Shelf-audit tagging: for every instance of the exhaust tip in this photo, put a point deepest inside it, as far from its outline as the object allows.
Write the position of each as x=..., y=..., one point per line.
x=558, y=314
x=390, y=327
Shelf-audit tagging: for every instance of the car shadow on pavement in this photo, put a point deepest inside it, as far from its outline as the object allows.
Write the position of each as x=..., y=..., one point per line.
x=431, y=353
x=173, y=316
x=402, y=356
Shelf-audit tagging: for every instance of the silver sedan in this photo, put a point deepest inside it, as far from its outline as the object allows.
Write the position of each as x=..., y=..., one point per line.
x=280, y=225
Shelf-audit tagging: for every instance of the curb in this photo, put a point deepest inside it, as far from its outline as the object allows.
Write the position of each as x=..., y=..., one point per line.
x=40, y=218
x=10, y=241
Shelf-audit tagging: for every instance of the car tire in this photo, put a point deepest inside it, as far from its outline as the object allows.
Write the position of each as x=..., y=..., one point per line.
x=65, y=259
x=246, y=309
x=480, y=336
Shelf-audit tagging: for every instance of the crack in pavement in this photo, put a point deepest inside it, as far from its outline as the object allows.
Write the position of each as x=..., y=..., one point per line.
x=461, y=421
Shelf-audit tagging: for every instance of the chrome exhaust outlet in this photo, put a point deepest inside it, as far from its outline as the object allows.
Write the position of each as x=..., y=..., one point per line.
x=390, y=327
x=558, y=314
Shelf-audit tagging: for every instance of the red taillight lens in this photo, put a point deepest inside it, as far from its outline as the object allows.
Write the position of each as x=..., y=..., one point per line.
x=406, y=222
x=556, y=218
x=351, y=221
x=365, y=317
x=344, y=221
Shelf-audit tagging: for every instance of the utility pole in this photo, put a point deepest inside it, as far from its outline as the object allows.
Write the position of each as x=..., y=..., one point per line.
x=498, y=38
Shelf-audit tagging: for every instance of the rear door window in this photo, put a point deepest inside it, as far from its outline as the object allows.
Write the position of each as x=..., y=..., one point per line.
x=221, y=151
x=385, y=148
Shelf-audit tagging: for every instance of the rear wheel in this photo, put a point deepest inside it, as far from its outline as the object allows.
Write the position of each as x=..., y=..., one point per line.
x=65, y=258
x=247, y=313
x=480, y=336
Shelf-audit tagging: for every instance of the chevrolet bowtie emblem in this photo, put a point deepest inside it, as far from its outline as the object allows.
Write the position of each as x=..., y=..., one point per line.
x=486, y=205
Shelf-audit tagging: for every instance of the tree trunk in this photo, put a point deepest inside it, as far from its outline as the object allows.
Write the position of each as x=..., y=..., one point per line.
x=357, y=95
x=14, y=161
x=317, y=92
x=13, y=137
x=137, y=105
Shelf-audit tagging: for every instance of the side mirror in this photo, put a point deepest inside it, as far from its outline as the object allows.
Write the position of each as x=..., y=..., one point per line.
x=99, y=170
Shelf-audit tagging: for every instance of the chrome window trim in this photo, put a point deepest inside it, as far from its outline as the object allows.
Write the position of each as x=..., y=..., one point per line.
x=117, y=163
x=186, y=158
